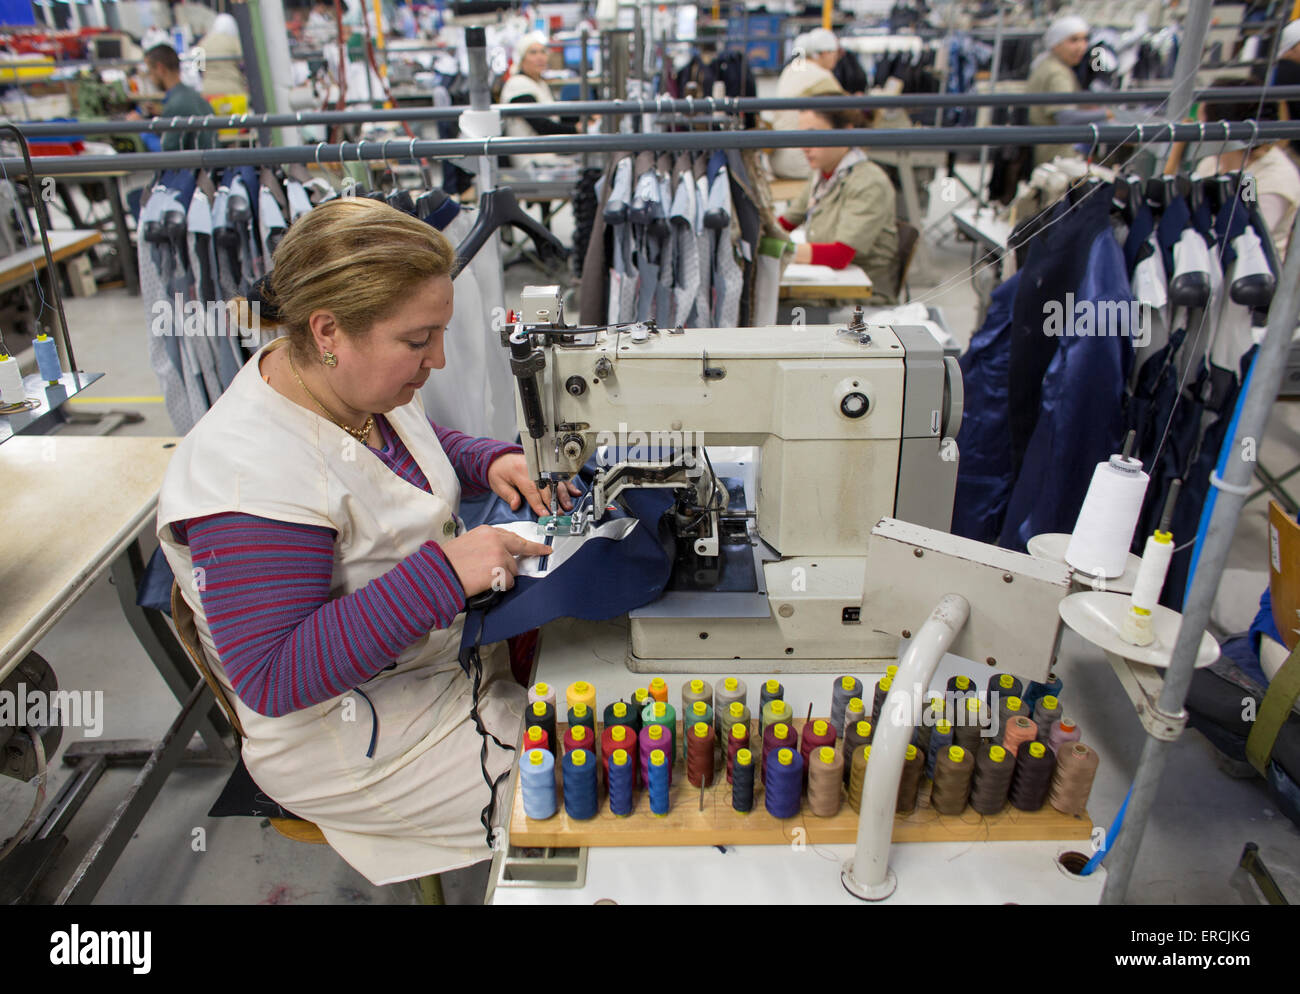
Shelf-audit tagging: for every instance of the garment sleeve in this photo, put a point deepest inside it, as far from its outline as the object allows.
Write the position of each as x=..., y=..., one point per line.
x=798, y=210
x=1273, y=208
x=837, y=255
x=470, y=457
x=284, y=641
x=542, y=124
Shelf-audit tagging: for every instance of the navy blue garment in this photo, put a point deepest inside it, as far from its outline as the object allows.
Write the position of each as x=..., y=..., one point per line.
x=1173, y=219
x=1079, y=417
x=1136, y=244
x=984, y=473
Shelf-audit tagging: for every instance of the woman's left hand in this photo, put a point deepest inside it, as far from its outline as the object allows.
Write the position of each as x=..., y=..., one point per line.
x=508, y=477
x=803, y=252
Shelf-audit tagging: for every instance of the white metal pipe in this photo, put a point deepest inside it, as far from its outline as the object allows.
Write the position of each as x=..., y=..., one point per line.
x=867, y=875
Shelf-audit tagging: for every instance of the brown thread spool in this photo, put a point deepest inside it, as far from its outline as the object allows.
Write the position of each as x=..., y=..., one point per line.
x=1008, y=708
x=1019, y=730
x=861, y=756
x=935, y=711
x=736, y=712
x=737, y=740
x=699, y=755
x=1046, y=710
x=994, y=768
x=910, y=782
x=1076, y=767
x=857, y=734
x=1033, y=776
x=967, y=733
x=825, y=781
x=952, y=776
x=878, y=701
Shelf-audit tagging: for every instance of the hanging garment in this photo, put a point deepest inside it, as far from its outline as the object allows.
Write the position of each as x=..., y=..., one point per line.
x=647, y=219
x=299, y=201
x=728, y=278
x=271, y=225
x=704, y=243
x=203, y=346
x=623, y=272
x=414, y=808
x=686, y=249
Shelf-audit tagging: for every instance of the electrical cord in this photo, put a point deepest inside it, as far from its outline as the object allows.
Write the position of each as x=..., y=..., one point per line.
x=38, y=803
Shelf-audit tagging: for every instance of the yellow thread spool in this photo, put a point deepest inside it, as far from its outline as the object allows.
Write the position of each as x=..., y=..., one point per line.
x=780, y=730
x=911, y=753
x=581, y=692
x=661, y=709
x=699, y=708
x=962, y=682
x=1006, y=681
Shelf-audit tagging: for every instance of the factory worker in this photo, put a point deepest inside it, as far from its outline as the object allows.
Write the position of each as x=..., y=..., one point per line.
x=221, y=73
x=526, y=86
x=815, y=55
x=310, y=520
x=1064, y=45
x=848, y=209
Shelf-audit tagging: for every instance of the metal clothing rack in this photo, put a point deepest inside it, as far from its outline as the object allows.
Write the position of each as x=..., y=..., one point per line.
x=665, y=105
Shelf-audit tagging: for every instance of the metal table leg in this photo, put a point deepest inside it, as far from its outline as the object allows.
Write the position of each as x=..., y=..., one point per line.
x=159, y=642
x=127, y=257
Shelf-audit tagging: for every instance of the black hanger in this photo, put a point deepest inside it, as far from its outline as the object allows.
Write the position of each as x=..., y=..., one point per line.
x=496, y=209
x=428, y=203
x=1127, y=197
x=401, y=200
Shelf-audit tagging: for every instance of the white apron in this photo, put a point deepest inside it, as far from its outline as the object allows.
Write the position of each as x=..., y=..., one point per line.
x=414, y=808
x=519, y=85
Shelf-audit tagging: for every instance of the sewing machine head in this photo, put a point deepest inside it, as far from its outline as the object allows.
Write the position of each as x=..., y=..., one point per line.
x=783, y=447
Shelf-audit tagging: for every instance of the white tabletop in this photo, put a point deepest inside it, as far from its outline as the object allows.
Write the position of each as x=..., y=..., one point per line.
x=71, y=504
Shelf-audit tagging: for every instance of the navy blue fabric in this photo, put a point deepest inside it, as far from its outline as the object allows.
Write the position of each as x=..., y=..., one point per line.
x=181, y=182
x=984, y=472
x=1173, y=219
x=1135, y=245
x=1264, y=624
x=155, y=589
x=1081, y=418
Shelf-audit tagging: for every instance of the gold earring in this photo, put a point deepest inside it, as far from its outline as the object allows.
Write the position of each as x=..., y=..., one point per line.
x=329, y=359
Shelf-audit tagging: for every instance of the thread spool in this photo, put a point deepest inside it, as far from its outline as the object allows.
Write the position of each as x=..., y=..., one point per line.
x=769, y=690
x=699, y=711
x=659, y=775
x=878, y=700
x=970, y=729
x=542, y=714
x=1063, y=732
x=994, y=768
x=699, y=754
x=940, y=740
x=537, y=783
x=652, y=738
x=616, y=737
x=1156, y=556
x=541, y=691
x=1076, y=767
x=1104, y=529
x=11, y=381
x=779, y=735
x=736, y=713
x=1004, y=685
x=857, y=773
x=696, y=690
x=1046, y=711
x=934, y=713
x=730, y=690
x=774, y=711
x=1037, y=690
x=1019, y=730
x=742, y=782
x=825, y=781
x=737, y=739
x=959, y=686
x=580, y=714
x=621, y=713
x=953, y=770
x=815, y=734
x=857, y=734
x=659, y=689
x=662, y=713
x=1008, y=708
x=843, y=690
x=783, y=783
x=621, y=774
x=891, y=670
x=579, y=737
x=1033, y=776
x=854, y=711
x=909, y=783
x=580, y=784
x=640, y=698
x=47, y=358
x=535, y=738
x=580, y=692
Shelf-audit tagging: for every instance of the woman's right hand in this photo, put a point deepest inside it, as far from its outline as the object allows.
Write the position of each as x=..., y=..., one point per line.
x=484, y=558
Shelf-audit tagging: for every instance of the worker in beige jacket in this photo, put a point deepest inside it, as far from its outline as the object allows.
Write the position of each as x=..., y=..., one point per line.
x=1064, y=45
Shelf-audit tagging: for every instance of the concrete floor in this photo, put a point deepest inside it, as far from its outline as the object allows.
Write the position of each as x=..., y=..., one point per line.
x=1203, y=818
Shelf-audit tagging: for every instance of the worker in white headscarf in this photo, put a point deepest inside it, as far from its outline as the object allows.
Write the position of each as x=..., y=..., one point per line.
x=1064, y=45
x=815, y=55
x=525, y=85
x=222, y=73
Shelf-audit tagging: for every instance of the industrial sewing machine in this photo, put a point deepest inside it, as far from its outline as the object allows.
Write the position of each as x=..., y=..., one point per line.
x=847, y=425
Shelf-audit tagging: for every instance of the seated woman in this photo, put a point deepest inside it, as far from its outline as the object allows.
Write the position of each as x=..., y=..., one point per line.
x=526, y=86
x=848, y=209
x=310, y=519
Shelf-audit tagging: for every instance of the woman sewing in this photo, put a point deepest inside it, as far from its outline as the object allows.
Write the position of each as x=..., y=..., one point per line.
x=848, y=208
x=310, y=519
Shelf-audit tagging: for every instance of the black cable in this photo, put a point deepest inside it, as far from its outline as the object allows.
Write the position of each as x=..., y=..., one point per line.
x=476, y=676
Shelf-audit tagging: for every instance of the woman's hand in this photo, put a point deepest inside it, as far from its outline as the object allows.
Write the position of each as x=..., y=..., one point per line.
x=508, y=477
x=484, y=558
x=803, y=252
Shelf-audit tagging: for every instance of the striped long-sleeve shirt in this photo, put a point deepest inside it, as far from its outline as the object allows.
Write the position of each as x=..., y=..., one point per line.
x=284, y=643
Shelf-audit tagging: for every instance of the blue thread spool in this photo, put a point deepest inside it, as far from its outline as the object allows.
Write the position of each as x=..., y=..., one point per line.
x=742, y=781
x=580, y=784
x=620, y=783
x=940, y=740
x=770, y=690
x=47, y=358
x=623, y=713
x=657, y=776
x=842, y=691
x=537, y=778
x=784, y=774
x=1037, y=690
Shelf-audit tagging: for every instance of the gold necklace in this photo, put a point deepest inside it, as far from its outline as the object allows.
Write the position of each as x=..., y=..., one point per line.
x=360, y=434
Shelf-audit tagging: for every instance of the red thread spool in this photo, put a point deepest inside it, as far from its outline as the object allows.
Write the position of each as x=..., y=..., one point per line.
x=579, y=737
x=816, y=733
x=610, y=741
x=535, y=737
x=699, y=754
x=779, y=735
x=735, y=743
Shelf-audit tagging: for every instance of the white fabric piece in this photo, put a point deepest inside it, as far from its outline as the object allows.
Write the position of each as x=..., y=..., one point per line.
x=728, y=278
x=686, y=251
x=161, y=326
x=1151, y=289
x=703, y=317
x=565, y=546
x=299, y=201
x=270, y=219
